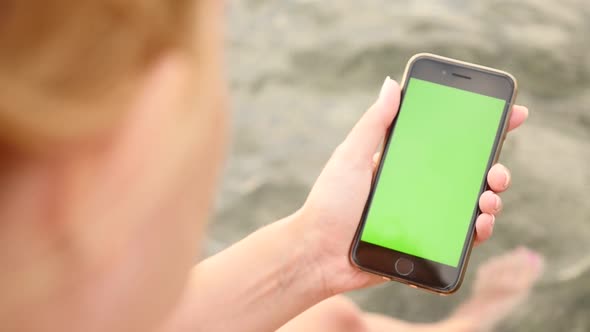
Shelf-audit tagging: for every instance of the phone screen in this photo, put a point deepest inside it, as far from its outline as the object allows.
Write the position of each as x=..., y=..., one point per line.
x=433, y=171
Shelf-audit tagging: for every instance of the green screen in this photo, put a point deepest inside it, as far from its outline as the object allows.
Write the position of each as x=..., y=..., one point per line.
x=433, y=171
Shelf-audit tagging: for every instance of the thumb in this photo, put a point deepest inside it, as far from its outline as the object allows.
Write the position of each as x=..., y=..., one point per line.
x=368, y=133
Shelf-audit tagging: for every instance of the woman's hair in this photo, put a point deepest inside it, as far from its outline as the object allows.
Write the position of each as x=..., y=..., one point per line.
x=66, y=64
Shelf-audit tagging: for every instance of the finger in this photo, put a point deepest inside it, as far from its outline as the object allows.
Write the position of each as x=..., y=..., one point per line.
x=518, y=117
x=484, y=227
x=499, y=178
x=490, y=203
x=368, y=133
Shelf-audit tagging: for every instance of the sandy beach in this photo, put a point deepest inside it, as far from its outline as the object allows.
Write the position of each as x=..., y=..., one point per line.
x=302, y=73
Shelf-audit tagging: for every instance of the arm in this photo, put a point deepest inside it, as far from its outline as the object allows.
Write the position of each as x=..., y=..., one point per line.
x=279, y=271
x=258, y=284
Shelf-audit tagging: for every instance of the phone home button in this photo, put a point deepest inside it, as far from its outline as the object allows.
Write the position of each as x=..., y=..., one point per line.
x=404, y=266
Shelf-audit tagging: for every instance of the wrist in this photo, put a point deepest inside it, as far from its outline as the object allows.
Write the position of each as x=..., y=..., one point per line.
x=325, y=267
x=325, y=248
x=304, y=265
x=268, y=274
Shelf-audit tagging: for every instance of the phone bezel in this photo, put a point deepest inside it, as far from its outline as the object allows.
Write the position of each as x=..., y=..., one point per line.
x=429, y=275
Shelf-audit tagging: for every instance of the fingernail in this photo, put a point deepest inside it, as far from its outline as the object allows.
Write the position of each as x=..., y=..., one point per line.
x=493, y=222
x=507, y=178
x=533, y=257
x=497, y=203
x=386, y=87
x=526, y=112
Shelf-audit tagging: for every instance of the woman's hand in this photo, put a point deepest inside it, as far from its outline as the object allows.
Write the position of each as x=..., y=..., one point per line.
x=334, y=207
x=269, y=278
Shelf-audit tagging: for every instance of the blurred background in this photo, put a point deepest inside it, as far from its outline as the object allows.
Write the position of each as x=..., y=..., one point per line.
x=303, y=72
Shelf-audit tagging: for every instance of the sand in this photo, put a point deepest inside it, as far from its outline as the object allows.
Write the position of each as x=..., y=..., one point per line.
x=302, y=72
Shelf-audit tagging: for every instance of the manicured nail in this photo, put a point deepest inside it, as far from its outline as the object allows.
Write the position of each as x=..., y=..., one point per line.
x=533, y=257
x=387, y=84
x=497, y=203
x=526, y=112
x=506, y=178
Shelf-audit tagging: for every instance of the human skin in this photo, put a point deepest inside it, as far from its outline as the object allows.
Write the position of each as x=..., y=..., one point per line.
x=103, y=236
x=279, y=271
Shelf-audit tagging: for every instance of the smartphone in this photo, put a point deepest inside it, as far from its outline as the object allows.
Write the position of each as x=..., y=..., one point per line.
x=418, y=224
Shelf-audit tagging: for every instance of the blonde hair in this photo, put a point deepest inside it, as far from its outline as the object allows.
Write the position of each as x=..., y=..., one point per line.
x=65, y=65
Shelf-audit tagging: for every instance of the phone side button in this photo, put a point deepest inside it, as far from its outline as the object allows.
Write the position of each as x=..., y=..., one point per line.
x=404, y=266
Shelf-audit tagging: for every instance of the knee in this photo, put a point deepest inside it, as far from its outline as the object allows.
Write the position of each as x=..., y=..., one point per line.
x=343, y=315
